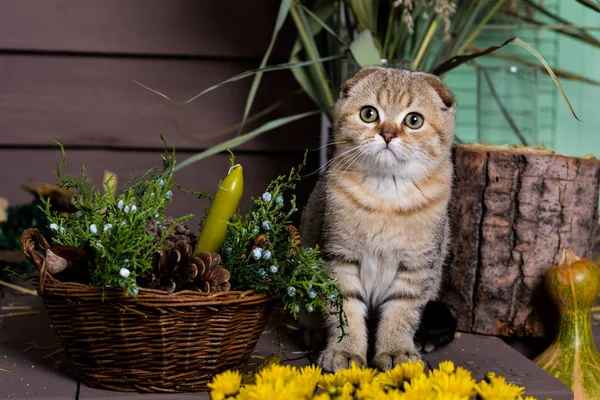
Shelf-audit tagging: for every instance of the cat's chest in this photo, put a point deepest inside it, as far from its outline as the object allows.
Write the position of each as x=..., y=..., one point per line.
x=384, y=234
x=372, y=219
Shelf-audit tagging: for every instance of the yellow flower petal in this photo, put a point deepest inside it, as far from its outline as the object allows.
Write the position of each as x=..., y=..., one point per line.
x=278, y=389
x=419, y=387
x=392, y=378
x=359, y=375
x=446, y=366
x=454, y=384
x=449, y=396
x=246, y=393
x=308, y=378
x=331, y=382
x=225, y=384
x=412, y=369
x=347, y=392
x=462, y=373
x=498, y=389
x=370, y=391
x=277, y=373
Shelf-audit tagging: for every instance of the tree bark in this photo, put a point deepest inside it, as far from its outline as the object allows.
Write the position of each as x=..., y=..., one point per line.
x=513, y=212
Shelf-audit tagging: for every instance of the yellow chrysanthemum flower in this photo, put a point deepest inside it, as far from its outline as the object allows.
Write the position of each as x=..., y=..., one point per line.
x=462, y=373
x=370, y=391
x=444, y=369
x=359, y=375
x=419, y=387
x=225, y=384
x=498, y=389
x=407, y=381
x=311, y=373
x=412, y=369
x=392, y=377
x=277, y=373
x=246, y=393
x=346, y=392
x=278, y=389
x=332, y=381
x=449, y=396
x=453, y=383
x=393, y=394
x=308, y=378
x=446, y=366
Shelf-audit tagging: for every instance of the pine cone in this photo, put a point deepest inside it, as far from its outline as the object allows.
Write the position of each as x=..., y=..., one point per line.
x=175, y=268
x=167, y=222
x=211, y=276
x=172, y=266
x=152, y=228
x=294, y=235
x=261, y=241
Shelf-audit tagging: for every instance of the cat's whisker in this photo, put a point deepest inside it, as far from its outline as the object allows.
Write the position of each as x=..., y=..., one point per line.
x=343, y=167
x=339, y=165
x=342, y=154
x=360, y=156
x=351, y=157
x=368, y=157
x=337, y=156
x=323, y=167
x=330, y=144
x=415, y=151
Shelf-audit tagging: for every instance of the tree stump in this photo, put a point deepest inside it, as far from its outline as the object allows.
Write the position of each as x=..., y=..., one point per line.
x=513, y=211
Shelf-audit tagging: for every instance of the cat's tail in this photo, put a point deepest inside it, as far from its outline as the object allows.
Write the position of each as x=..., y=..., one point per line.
x=437, y=327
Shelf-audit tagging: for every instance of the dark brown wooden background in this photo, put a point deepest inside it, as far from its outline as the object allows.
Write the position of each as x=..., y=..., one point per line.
x=66, y=73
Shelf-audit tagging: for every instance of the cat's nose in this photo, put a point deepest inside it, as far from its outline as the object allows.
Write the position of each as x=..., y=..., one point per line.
x=387, y=136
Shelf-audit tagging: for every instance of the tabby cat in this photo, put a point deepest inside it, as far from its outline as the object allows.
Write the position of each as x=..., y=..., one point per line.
x=380, y=212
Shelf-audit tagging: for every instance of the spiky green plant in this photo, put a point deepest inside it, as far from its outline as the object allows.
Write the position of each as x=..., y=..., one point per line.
x=434, y=36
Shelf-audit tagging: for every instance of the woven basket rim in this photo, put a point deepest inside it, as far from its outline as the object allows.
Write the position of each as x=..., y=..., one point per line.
x=151, y=297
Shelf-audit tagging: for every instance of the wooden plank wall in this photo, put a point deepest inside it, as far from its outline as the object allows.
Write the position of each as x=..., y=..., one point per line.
x=66, y=73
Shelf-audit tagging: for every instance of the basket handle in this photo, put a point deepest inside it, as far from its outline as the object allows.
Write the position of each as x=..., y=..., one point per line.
x=29, y=240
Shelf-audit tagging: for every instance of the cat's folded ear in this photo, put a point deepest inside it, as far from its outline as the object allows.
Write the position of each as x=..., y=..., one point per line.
x=350, y=83
x=441, y=89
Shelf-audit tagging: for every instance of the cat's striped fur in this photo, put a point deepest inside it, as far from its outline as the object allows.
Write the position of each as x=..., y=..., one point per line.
x=380, y=212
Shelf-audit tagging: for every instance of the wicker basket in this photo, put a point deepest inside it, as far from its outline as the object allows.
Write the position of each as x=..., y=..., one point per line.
x=158, y=342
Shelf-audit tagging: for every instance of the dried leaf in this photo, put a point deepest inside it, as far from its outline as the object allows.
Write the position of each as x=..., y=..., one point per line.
x=18, y=288
x=54, y=262
x=110, y=181
x=3, y=208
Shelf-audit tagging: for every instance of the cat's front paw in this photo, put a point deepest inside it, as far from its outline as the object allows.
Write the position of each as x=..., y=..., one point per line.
x=388, y=360
x=332, y=359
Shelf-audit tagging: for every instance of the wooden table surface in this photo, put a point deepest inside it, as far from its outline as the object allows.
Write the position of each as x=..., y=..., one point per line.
x=28, y=367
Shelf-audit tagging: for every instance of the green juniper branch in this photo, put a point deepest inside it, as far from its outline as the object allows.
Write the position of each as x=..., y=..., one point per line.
x=113, y=228
x=280, y=267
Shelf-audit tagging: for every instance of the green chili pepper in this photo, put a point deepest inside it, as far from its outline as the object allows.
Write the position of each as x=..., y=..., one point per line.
x=223, y=207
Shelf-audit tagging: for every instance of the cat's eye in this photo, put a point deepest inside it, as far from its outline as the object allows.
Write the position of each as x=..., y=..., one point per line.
x=369, y=114
x=414, y=120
